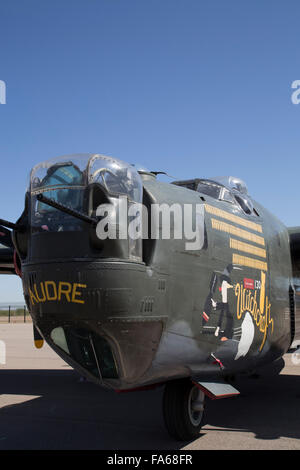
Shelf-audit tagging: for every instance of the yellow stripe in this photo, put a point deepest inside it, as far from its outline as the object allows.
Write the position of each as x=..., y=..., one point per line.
x=241, y=246
x=233, y=218
x=249, y=262
x=238, y=232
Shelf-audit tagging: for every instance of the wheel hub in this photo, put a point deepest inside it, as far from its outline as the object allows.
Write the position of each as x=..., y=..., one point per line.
x=196, y=405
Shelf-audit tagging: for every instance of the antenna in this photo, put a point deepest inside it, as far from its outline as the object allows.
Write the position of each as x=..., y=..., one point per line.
x=163, y=173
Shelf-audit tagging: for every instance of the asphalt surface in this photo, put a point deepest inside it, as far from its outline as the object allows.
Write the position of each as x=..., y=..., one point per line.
x=44, y=404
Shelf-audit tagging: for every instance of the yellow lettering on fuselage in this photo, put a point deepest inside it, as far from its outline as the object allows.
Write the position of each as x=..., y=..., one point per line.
x=56, y=291
x=64, y=288
x=260, y=309
x=76, y=293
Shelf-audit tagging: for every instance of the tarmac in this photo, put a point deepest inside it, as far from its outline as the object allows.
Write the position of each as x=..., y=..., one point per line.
x=45, y=405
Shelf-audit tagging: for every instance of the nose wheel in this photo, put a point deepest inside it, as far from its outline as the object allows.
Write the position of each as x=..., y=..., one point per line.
x=183, y=409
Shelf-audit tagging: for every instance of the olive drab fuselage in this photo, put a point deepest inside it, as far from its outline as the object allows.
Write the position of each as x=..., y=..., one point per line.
x=167, y=312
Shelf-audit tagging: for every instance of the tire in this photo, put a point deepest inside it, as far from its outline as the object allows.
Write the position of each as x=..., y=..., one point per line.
x=181, y=398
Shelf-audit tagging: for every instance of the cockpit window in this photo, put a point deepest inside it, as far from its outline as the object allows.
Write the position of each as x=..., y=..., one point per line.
x=227, y=196
x=244, y=202
x=229, y=189
x=215, y=190
x=210, y=189
x=223, y=188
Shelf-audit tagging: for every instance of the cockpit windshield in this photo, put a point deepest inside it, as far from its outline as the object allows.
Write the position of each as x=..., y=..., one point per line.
x=214, y=189
x=229, y=189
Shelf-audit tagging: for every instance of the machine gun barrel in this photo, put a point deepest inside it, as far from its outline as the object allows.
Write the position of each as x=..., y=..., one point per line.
x=66, y=209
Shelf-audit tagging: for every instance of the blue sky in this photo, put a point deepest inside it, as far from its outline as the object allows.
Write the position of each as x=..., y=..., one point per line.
x=190, y=87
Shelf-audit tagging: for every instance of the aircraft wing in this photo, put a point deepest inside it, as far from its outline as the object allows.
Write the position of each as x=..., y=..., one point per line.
x=6, y=252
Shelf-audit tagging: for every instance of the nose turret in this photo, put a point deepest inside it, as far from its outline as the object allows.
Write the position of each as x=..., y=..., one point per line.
x=91, y=295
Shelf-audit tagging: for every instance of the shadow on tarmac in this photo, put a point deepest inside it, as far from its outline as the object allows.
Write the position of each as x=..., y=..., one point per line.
x=61, y=412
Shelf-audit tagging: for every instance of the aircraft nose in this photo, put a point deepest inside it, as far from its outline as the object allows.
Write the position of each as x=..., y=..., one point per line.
x=114, y=354
x=100, y=317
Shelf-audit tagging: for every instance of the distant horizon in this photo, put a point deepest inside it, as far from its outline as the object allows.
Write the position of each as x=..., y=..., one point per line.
x=12, y=304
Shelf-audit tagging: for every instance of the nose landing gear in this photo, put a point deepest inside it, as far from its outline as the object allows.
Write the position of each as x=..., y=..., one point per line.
x=183, y=404
x=183, y=409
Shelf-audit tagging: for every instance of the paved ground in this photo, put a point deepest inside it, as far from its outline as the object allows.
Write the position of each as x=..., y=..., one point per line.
x=15, y=319
x=44, y=405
